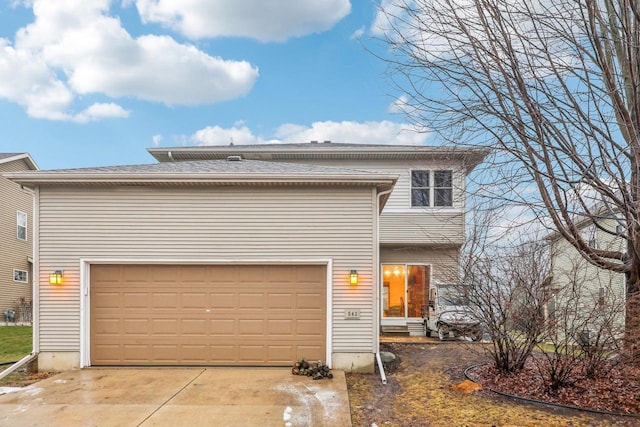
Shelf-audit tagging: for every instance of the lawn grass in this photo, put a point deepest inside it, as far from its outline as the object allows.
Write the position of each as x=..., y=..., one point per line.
x=15, y=343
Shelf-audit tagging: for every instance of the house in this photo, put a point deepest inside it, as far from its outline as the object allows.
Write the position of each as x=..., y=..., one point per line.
x=583, y=297
x=243, y=255
x=16, y=239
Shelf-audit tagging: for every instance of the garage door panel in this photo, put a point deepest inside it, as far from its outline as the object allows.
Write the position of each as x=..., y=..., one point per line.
x=285, y=301
x=250, y=301
x=140, y=353
x=210, y=315
x=135, y=300
x=194, y=300
x=107, y=300
x=223, y=300
x=165, y=300
x=253, y=354
x=224, y=354
x=167, y=327
x=194, y=327
x=136, y=327
x=251, y=327
x=165, y=354
x=223, y=327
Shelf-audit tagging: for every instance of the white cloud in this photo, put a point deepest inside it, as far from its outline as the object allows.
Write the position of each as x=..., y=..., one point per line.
x=383, y=132
x=357, y=33
x=273, y=20
x=400, y=105
x=74, y=47
x=99, y=111
x=157, y=139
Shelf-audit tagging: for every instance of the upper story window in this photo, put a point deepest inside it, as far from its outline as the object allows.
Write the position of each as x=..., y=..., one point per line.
x=423, y=193
x=22, y=225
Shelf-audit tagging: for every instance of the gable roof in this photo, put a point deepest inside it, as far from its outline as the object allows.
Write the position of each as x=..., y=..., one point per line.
x=11, y=157
x=470, y=157
x=208, y=172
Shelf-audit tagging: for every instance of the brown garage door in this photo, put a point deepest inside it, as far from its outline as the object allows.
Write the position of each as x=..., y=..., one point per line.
x=207, y=315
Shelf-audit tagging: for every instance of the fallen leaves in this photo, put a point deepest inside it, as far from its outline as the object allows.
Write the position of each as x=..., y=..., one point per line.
x=617, y=391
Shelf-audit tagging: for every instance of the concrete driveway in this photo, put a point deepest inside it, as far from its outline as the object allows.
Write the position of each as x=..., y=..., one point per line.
x=179, y=397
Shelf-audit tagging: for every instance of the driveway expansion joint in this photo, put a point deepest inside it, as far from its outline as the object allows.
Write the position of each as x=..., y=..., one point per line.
x=172, y=397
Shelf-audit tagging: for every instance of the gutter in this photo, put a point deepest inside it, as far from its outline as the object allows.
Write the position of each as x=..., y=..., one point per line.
x=383, y=377
x=28, y=358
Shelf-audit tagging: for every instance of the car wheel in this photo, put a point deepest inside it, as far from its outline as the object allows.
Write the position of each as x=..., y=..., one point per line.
x=441, y=334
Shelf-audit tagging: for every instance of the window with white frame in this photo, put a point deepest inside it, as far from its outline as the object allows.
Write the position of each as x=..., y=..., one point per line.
x=21, y=219
x=21, y=276
x=443, y=188
x=431, y=188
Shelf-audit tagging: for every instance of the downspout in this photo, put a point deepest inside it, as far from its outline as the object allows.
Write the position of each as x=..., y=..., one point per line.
x=383, y=377
x=170, y=156
x=35, y=273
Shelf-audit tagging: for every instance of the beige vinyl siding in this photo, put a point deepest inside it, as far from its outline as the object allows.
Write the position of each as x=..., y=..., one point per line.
x=422, y=228
x=401, y=223
x=400, y=198
x=443, y=261
x=213, y=223
x=13, y=251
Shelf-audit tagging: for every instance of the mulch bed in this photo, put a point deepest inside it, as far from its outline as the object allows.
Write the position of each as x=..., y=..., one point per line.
x=617, y=390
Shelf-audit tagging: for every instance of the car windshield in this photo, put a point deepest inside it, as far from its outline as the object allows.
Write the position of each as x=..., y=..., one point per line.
x=451, y=295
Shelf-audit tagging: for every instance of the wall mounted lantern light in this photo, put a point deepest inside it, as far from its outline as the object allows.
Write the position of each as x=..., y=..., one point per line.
x=55, y=278
x=353, y=277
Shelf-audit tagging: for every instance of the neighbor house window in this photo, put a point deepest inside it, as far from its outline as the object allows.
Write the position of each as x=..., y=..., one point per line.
x=431, y=188
x=22, y=225
x=601, y=300
x=21, y=276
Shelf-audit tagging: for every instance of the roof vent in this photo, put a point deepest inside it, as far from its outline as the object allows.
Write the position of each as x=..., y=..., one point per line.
x=314, y=142
x=234, y=158
x=327, y=142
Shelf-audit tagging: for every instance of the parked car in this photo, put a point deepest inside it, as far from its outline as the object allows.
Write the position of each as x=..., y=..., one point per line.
x=449, y=314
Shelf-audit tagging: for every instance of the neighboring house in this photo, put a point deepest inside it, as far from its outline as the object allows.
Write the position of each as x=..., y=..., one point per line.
x=583, y=297
x=16, y=239
x=243, y=255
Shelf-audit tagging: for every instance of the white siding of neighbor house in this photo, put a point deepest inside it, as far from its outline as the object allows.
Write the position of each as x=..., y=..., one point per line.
x=401, y=223
x=13, y=251
x=568, y=267
x=207, y=223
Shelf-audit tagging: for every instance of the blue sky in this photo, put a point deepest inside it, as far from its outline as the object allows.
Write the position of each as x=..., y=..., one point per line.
x=96, y=82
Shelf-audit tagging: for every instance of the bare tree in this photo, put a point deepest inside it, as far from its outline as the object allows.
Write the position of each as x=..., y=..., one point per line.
x=554, y=88
x=506, y=286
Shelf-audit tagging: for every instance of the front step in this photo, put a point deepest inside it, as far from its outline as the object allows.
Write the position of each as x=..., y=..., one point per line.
x=395, y=330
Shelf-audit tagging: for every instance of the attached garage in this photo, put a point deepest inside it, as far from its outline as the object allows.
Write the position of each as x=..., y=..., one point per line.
x=214, y=262
x=255, y=315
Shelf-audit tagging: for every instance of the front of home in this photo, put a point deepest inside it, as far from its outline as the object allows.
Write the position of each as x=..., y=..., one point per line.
x=232, y=260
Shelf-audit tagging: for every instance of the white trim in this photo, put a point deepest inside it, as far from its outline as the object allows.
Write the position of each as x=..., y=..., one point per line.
x=22, y=271
x=85, y=294
x=423, y=209
x=35, y=279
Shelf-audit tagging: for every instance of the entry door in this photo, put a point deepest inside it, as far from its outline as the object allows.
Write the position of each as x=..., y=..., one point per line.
x=405, y=290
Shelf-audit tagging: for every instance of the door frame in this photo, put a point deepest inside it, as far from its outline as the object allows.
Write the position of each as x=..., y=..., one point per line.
x=85, y=283
x=405, y=319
